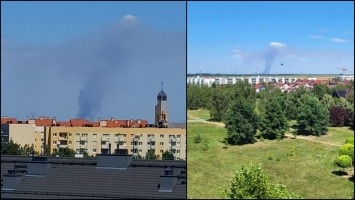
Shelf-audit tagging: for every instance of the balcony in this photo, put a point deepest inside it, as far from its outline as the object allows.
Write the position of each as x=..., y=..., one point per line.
x=173, y=147
x=135, y=147
x=62, y=138
x=84, y=139
x=172, y=140
x=135, y=139
x=62, y=146
x=105, y=139
x=178, y=139
x=83, y=146
x=151, y=139
x=104, y=146
x=152, y=146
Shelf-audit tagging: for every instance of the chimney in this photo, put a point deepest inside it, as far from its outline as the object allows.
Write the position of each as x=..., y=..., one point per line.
x=39, y=166
x=114, y=161
x=11, y=180
x=168, y=180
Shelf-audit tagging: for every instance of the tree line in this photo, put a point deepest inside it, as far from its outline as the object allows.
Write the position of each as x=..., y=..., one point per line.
x=245, y=112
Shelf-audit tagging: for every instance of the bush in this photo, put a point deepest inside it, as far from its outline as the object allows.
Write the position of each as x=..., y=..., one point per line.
x=251, y=182
x=349, y=141
x=343, y=161
x=347, y=149
x=337, y=116
x=197, y=138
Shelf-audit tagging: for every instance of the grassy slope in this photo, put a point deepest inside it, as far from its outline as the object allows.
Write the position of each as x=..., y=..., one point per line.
x=308, y=172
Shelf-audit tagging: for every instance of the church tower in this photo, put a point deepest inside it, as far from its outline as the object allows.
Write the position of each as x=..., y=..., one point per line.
x=161, y=109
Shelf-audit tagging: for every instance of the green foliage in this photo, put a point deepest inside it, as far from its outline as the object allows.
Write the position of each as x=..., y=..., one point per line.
x=349, y=141
x=198, y=96
x=197, y=138
x=218, y=104
x=320, y=90
x=205, y=143
x=293, y=102
x=150, y=155
x=167, y=155
x=312, y=117
x=347, y=149
x=12, y=148
x=251, y=182
x=343, y=161
x=64, y=152
x=241, y=122
x=328, y=101
x=274, y=123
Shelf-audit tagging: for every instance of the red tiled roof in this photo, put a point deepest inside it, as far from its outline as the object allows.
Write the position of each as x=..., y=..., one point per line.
x=79, y=122
x=63, y=124
x=6, y=120
x=116, y=123
x=43, y=122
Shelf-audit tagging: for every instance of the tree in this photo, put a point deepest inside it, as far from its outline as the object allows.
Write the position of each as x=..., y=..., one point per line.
x=328, y=101
x=274, y=123
x=312, y=117
x=197, y=138
x=218, y=104
x=241, y=122
x=11, y=148
x=251, y=182
x=63, y=152
x=293, y=102
x=167, y=155
x=337, y=116
x=320, y=90
x=343, y=161
x=150, y=155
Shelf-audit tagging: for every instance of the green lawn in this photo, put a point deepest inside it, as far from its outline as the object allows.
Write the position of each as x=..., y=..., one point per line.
x=201, y=114
x=308, y=172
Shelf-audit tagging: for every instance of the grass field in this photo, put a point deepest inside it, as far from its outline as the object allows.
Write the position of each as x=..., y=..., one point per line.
x=308, y=172
x=201, y=114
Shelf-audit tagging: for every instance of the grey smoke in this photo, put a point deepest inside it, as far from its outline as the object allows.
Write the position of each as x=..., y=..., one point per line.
x=271, y=52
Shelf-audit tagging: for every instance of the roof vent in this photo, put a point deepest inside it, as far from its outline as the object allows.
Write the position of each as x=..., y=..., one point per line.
x=168, y=180
x=11, y=180
x=39, y=166
x=113, y=161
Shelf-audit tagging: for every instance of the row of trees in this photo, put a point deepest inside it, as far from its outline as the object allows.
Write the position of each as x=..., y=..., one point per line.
x=244, y=111
x=12, y=148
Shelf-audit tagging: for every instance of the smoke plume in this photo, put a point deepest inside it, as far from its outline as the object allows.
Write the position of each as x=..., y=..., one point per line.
x=272, y=51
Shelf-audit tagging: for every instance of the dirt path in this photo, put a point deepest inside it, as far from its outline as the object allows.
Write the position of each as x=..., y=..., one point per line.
x=195, y=119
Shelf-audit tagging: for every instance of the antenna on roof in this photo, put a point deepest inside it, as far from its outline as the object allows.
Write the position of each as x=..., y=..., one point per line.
x=162, y=83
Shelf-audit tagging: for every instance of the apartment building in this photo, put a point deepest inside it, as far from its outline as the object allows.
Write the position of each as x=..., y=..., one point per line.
x=102, y=140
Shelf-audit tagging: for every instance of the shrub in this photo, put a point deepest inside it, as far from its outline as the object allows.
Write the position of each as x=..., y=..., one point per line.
x=347, y=149
x=343, y=161
x=197, y=138
x=349, y=141
x=251, y=182
x=337, y=116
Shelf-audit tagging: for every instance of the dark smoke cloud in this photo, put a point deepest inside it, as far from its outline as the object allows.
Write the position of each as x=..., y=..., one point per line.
x=272, y=51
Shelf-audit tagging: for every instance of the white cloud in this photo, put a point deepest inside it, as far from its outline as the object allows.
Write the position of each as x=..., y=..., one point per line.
x=338, y=40
x=130, y=17
x=277, y=44
x=317, y=37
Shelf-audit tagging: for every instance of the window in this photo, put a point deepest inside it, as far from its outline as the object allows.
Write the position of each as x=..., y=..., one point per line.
x=140, y=143
x=178, y=136
x=106, y=135
x=54, y=134
x=124, y=144
x=131, y=150
x=140, y=150
x=178, y=151
x=77, y=135
x=116, y=135
x=69, y=134
x=54, y=142
x=95, y=135
x=95, y=142
x=161, y=143
x=131, y=143
x=132, y=135
x=141, y=135
x=94, y=150
x=84, y=135
x=161, y=151
x=161, y=136
x=69, y=142
x=171, y=136
x=124, y=135
x=77, y=150
x=148, y=143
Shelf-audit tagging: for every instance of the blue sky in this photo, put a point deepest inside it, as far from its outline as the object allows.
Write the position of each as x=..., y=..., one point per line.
x=307, y=37
x=92, y=59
